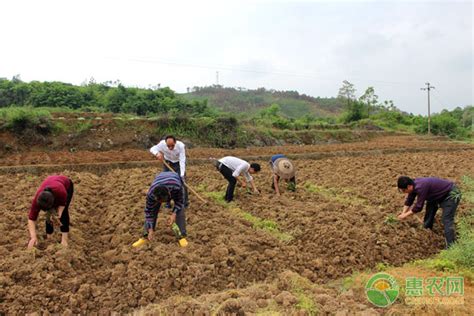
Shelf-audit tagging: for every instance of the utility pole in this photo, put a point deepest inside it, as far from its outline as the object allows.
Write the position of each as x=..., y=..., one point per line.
x=217, y=78
x=428, y=88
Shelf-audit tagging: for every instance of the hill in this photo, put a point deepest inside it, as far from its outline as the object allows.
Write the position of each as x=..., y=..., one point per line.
x=240, y=100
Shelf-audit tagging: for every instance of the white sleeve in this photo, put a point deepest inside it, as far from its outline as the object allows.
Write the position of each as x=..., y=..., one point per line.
x=243, y=168
x=155, y=149
x=247, y=176
x=182, y=160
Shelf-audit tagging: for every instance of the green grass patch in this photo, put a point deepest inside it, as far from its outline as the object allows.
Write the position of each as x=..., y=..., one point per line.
x=468, y=189
x=266, y=225
x=306, y=303
x=19, y=119
x=217, y=197
x=380, y=267
x=334, y=195
x=83, y=126
x=269, y=226
x=302, y=288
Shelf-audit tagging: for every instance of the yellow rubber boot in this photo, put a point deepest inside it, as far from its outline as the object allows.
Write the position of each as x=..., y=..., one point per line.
x=140, y=242
x=183, y=242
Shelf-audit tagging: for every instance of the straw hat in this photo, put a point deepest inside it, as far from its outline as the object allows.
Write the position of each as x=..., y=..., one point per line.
x=284, y=168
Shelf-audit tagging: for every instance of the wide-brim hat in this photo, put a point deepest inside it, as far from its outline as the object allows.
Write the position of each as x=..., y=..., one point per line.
x=284, y=168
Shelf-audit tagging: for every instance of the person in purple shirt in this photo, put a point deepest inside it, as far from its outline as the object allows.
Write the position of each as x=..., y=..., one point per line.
x=437, y=193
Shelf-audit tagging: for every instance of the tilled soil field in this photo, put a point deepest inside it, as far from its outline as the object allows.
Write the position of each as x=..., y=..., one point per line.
x=392, y=143
x=337, y=222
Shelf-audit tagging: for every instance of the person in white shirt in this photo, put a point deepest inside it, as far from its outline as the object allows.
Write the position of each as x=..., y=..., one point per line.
x=231, y=168
x=174, y=153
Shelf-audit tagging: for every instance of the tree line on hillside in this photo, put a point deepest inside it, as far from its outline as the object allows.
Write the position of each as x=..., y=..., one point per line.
x=362, y=111
x=256, y=97
x=457, y=123
x=109, y=96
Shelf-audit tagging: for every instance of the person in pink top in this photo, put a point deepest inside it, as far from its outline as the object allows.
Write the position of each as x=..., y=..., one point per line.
x=53, y=196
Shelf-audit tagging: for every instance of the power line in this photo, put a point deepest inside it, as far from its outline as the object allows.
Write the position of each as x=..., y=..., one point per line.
x=239, y=69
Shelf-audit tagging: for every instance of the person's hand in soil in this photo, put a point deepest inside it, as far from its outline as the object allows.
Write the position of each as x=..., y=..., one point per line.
x=404, y=215
x=172, y=219
x=33, y=242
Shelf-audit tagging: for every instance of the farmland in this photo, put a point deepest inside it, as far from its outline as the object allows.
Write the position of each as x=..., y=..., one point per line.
x=259, y=253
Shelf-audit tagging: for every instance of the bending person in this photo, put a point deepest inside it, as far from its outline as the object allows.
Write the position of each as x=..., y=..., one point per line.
x=437, y=193
x=167, y=186
x=53, y=196
x=282, y=168
x=231, y=168
x=174, y=153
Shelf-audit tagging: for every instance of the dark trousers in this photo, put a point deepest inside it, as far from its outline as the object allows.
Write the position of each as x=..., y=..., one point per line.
x=180, y=221
x=64, y=219
x=177, y=169
x=227, y=173
x=449, y=206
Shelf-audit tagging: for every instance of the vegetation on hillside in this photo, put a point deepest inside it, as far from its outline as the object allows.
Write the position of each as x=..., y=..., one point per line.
x=368, y=111
x=107, y=97
x=219, y=113
x=240, y=100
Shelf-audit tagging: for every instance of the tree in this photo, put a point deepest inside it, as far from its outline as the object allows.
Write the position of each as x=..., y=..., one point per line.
x=369, y=98
x=347, y=92
x=355, y=111
x=270, y=112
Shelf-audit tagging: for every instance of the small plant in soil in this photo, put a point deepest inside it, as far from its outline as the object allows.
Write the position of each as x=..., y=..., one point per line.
x=391, y=220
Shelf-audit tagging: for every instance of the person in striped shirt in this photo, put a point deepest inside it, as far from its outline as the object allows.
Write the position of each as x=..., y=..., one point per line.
x=165, y=187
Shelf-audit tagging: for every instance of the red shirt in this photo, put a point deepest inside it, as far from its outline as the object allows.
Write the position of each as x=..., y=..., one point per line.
x=59, y=186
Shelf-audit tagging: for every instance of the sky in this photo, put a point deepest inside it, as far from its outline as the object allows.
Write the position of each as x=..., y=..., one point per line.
x=307, y=46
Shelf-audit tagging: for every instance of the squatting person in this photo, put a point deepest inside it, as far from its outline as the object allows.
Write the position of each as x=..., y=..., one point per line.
x=437, y=193
x=165, y=187
x=174, y=153
x=53, y=196
x=231, y=168
x=282, y=168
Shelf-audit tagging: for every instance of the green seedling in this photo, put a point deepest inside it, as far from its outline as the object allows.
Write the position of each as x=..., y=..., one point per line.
x=455, y=195
x=291, y=186
x=391, y=220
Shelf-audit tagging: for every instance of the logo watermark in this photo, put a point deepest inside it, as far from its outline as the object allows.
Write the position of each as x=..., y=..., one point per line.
x=382, y=290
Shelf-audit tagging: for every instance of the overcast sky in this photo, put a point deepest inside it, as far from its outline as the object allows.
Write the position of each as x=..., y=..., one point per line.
x=308, y=46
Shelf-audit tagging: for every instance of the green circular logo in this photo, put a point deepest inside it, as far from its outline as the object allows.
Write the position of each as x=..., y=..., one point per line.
x=382, y=290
